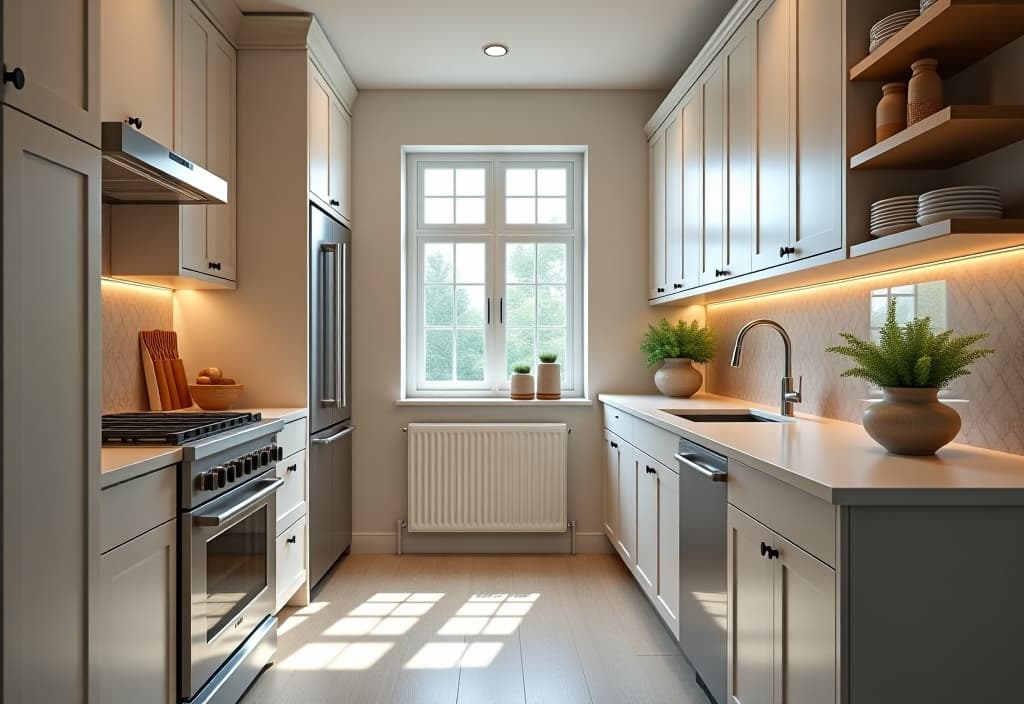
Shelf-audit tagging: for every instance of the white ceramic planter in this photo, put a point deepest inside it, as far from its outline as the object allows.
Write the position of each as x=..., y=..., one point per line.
x=549, y=381
x=677, y=378
x=521, y=387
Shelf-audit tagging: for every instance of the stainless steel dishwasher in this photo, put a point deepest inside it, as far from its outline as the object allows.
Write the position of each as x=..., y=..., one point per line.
x=702, y=564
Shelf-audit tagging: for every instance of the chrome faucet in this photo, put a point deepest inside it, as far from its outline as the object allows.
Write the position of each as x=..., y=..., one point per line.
x=789, y=395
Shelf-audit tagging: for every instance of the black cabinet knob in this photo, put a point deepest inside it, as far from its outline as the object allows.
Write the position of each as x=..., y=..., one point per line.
x=614, y=444
x=769, y=552
x=135, y=122
x=16, y=77
x=293, y=468
x=677, y=285
x=783, y=251
x=335, y=202
x=661, y=290
x=291, y=540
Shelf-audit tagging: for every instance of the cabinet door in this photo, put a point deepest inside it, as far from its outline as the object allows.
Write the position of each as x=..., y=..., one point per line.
x=805, y=627
x=139, y=631
x=713, y=242
x=740, y=116
x=220, y=151
x=319, y=135
x=193, y=98
x=56, y=44
x=674, y=203
x=772, y=29
x=647, y=522
x=627, y=503
x=339, y=159
x=668, y=545
x=610, y=495
x=139, y=65
x=656, y=241
x=819, y=126
x=692, y=186
x=51, y=349
x=751, y=611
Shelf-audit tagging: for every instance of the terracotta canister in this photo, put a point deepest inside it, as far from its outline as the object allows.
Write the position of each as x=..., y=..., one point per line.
x=911, y=421
x=891, y=113
x=521, y=387
x=924, y=95
x=549, y=381
x=678, y=378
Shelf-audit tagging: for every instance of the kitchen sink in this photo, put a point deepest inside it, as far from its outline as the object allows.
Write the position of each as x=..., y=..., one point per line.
x=742, y=415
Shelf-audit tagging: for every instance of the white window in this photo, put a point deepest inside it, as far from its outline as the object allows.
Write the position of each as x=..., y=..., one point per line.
x=493, y=270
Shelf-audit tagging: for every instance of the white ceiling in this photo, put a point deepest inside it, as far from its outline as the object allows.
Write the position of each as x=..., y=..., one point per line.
x=552, y=43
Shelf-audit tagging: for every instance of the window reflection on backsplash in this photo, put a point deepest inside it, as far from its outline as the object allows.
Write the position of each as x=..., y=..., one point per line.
x=925, y=300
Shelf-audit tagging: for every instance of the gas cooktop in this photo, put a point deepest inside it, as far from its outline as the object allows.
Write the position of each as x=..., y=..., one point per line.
x=171, y=428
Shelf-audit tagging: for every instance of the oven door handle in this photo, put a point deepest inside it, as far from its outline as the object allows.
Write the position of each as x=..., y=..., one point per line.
x=217, y=519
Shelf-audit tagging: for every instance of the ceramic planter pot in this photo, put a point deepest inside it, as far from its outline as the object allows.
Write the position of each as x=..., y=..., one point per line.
x=549, y=381
x=911, y=421
x=677, y=378
x=521, y=387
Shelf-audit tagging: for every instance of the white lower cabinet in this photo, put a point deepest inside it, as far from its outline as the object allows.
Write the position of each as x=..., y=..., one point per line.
x=782, y=619
x=291, y=562
x=641, y=511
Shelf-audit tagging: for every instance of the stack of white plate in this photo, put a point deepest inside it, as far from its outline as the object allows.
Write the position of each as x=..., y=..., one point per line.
x=891, y=215
x=888, y=26
x=925, y=4
x=960, y=202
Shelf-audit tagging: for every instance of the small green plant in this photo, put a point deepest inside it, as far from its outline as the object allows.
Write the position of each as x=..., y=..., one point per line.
x=521, y=368
x=911, y=355
x=666, y=341
x=548, y=357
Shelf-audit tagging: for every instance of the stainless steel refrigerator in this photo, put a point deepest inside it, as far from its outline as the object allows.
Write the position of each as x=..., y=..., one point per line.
x=330, y=407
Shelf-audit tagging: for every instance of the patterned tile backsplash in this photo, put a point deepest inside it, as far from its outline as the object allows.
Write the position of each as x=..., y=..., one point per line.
x=126, y=310
x=985, y=294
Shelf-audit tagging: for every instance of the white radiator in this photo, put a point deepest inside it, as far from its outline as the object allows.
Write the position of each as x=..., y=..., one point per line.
x=487, y=477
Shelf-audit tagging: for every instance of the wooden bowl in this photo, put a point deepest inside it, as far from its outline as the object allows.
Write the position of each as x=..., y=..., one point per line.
x=215, y=397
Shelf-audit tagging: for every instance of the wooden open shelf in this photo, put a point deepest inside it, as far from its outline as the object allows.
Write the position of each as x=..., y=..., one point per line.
x=951, y=136
x=956, y=32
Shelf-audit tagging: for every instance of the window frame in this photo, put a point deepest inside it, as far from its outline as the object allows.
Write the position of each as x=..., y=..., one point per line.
x=496, y=236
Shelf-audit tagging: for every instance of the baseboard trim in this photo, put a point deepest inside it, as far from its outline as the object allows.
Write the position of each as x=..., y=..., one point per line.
x=455, y=543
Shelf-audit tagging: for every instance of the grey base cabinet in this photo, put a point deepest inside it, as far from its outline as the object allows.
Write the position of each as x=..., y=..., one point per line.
x=138, y=583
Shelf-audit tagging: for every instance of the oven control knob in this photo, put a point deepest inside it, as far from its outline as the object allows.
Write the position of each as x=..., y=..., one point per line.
x=279, y=453
x=239, y=465
x=209, y=481
x=230, y=468
x=222, y=476
x=247, y=464
x=264, y=457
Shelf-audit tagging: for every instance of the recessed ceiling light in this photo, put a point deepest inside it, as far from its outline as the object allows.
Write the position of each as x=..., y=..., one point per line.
x=495, y=49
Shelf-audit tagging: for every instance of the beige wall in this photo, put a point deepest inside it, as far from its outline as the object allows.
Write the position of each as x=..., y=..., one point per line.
x=610, y=124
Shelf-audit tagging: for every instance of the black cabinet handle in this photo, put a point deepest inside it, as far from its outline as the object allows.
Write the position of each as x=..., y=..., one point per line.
x=661, y=290
x=293, y=468
x=769, y=552
x=677, y=285
x=651, y=470
x=214, y=265
x=292, y=540
x=614, y=444
x=15, y=77
x=783, y=251
x=721, y=272
x=335, y=202
x=135, y=122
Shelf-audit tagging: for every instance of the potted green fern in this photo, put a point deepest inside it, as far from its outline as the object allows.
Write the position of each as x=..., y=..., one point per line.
x=521, y=383
x=677, y=347
x=911, y=363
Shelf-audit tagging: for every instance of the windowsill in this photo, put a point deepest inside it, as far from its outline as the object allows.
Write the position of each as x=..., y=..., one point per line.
x=490, y=401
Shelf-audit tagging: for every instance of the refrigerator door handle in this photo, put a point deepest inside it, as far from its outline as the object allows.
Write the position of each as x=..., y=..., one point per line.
x=331, y=439
x=332, y=401
x=341, y=310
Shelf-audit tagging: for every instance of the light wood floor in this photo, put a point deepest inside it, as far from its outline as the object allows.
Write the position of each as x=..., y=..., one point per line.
x=476, y=629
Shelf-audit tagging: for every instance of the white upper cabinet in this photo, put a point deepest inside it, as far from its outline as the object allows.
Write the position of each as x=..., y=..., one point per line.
x=329, y=147
x=713, y=148
x=51, y=49
x=740, y=99
x=139, y=65
x=674, y=202
x=692, y=185
x=656, y=161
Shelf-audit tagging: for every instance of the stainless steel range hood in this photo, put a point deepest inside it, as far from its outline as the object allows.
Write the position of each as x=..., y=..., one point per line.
x=138, y=170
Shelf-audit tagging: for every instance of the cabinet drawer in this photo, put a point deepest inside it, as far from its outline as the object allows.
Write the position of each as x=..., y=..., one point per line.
x=292, y=437
x=656, y=442
x=291, y=562
x=802, y=519
x=131, y=508
x=291, y=498
x=619, y=422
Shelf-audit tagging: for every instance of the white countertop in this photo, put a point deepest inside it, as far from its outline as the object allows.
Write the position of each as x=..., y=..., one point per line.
x=119, y=464
x=838, y=461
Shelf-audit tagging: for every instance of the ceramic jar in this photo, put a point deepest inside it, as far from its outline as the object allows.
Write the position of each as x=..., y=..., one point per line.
x=677, y=378
x=521, y=387
x=924, y=94
x=549, y=381
x=911, y=421
x=891, y=113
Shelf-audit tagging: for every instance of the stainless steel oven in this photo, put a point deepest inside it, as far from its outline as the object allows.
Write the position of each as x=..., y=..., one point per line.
x=228, y=568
